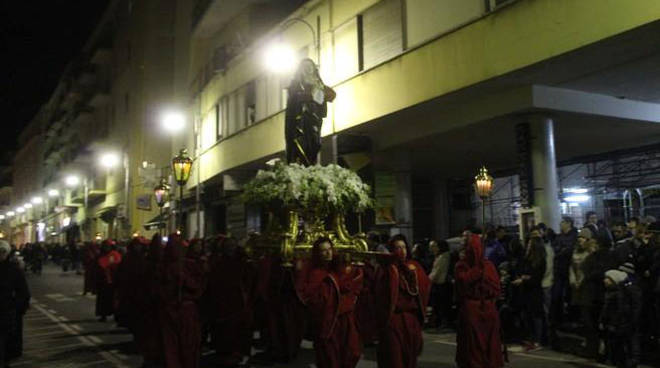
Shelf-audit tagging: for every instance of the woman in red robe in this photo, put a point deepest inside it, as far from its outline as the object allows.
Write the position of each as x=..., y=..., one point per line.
x=181, y=285
x=402, y=294
x=330, y=290
x=128, y=295
x=107, y=263
x=285, y=312
x=230, y=297
x=478, y=286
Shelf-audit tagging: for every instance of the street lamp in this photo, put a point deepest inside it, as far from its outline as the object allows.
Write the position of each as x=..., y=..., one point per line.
x=27, y=205
x=109, y=160
x=483, y=184
x=11, y=214
x=160, y=192
x=173, y=121
x=20, y=209
x=37, y=200
x=181, y=166
x=53, y=193
x=72, y=181
x=280, y=58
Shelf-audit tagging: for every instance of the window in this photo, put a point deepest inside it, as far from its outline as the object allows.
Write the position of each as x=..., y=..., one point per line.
x=251, y=103
x=382, y=32
x=221, y=117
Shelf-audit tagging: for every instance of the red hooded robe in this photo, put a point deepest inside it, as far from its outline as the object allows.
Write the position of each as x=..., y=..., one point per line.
x=402, y=295
x=331, y=297
x=181, y=285
x=478, y=333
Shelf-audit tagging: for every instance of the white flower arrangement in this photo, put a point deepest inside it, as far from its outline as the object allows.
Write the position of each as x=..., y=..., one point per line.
x=320, y=189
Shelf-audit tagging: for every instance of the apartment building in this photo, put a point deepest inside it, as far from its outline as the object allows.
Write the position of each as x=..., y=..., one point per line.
x=427, y=92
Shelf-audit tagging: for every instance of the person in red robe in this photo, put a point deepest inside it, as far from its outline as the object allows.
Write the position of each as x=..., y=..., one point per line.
x=231, y=299
x=285, y=312
x=402, y=294
x=128, y=295
x=478, y=332
x=107, y=263
x=180, y=287
x=330, y=291
x=149, y=337
x=90, y=256
x=366, y=320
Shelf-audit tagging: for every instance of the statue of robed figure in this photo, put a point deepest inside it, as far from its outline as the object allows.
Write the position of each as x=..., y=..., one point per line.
x=306, y=107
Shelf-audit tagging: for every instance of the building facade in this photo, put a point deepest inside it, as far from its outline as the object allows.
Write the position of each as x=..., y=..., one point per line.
x=428, y=91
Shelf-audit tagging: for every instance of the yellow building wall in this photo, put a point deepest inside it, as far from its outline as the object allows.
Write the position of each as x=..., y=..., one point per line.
x=517, y=36
x=428, y=18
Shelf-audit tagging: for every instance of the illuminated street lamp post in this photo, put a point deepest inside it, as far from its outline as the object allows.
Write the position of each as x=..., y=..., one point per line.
x=181, y=166
x=281, y=58
x=161, y=192
x=483, y=184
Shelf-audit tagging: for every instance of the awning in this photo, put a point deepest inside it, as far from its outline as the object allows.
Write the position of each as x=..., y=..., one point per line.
x=158, y=222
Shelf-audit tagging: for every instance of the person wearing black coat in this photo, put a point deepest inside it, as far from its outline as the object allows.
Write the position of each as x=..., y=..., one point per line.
x=563, y=245
x=529, y=274
x=619, y=318
x=14, y=302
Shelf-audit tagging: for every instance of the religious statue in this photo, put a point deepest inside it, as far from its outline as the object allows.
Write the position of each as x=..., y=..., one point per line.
x=306, y=107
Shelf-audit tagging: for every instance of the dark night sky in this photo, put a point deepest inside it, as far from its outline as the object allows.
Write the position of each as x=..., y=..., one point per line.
x=38, y=39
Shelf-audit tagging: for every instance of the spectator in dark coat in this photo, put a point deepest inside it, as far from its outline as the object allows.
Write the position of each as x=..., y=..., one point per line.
x=494, y=250
x=619, y=317
x=563, y=246
x=598, y=228
x=593, y=292
x=14, y=302
x=529, y=274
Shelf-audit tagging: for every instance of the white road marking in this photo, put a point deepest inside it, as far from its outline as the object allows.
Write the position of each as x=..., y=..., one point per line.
x=85, y=340
x=95, y=339
x=52, y=311
x=76, y=327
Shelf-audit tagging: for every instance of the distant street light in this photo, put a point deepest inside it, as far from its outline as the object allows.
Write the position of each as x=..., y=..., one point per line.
x=110, y=160
x=181, y=166
x=27, y=205
x=483, y=184
x=11, y=214
x=53, y=193
x=37, y=200
x=72, y=181
x=2, y=217
x=173, y=121
x=161, y=192
x=20, y=209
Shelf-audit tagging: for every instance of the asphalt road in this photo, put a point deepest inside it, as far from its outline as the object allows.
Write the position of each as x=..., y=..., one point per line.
x=61, y=331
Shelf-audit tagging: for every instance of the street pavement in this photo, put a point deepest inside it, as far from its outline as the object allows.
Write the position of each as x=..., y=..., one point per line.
x=60, y=330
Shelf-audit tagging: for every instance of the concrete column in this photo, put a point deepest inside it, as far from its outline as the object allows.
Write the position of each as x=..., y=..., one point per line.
x=440, y=208
x=403, y=206
x=544, y=169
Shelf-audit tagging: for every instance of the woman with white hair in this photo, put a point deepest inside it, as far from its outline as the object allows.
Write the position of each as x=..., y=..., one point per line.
x=14, y=301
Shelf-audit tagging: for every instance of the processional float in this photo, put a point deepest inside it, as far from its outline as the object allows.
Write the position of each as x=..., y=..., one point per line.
x=304, y=200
